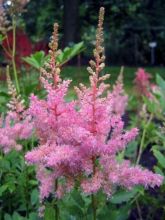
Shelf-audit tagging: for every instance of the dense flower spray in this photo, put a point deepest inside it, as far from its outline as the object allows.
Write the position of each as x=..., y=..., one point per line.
x=16, y=125
x=79, y=140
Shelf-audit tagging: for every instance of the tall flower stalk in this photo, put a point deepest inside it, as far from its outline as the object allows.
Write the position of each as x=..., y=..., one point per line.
x=101, y=117
x=13, y=9
x=79, y=140
x=52, y=121
x=14, y=54
x=94, y=69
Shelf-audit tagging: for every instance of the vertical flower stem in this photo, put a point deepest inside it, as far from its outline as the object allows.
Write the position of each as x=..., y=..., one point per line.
x=26, y=192
x=57, y=212
x=139, y=210
x=94, y=208
x=143, y=139
x=139, y=157
x=14, y=53
x=8, y=44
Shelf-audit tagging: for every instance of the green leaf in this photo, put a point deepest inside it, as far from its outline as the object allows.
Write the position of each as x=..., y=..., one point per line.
x=158, y=170
x=131, y=149
x=2, y=38
x=33, y=216
x=110, y=213
x=152, y=106
x=161, y=82
x=7, y=217
x=5, y=165
x=74, y=204
x=36, y=60
x=3, y=188
x=124, y=196
x=34, y=197
x=160, y=157
x=76, y=49
x=69, y=52
x=33, y=182
x=49, y=212
x=16, y=216
x=77, y=199
x=161, y=95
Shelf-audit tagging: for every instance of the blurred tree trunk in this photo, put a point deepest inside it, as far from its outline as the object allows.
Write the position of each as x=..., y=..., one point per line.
x=71, y=8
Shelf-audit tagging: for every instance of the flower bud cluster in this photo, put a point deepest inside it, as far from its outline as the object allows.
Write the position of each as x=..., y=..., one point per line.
x=4, y=22
x=15, y=7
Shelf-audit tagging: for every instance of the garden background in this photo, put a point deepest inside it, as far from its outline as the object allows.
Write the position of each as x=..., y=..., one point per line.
x=134, y=42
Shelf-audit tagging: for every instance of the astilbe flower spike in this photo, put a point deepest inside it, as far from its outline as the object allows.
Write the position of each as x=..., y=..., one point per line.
x=106, y=136
x=79, y=140
x=143, y=84
x=118, y=96
x=145, y=88
x=55, y=123
x=17, y=124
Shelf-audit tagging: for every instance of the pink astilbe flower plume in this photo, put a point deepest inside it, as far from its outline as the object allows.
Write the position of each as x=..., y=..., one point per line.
x=17, y=124
x=55, y=122
x=106, y=135
x=118, y=96
x=79, y=140
x=143, y=84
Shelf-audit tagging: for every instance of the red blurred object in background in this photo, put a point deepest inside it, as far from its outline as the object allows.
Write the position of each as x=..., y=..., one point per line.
x=23, y=46
x=41, y=45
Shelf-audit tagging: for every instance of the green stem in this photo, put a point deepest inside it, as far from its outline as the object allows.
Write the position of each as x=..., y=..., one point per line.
x=57, y=212
x=143, y=139
x=14, y=53
x=139, y=210
x=27, y=193
x=139, y=157
x=93, y=206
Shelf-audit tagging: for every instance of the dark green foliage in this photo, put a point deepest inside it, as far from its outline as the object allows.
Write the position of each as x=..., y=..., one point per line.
x=18, y=190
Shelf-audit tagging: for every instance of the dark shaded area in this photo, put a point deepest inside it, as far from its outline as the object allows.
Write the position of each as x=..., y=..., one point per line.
x=129, y=27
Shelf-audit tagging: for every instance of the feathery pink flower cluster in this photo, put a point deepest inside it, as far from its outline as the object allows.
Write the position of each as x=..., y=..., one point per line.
x=12, y=130
x=16, y=125
x=79, y=140
x=119, y=97
x=55, y=123
x=142, y=83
